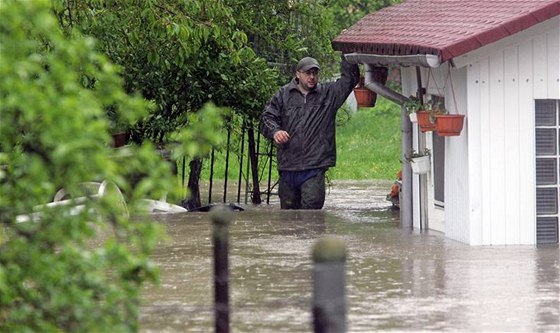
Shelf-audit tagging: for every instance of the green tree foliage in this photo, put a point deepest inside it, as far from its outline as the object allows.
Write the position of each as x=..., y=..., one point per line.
x=66, y=269
x=178, y=54
x=285, y=31
x=182, y=54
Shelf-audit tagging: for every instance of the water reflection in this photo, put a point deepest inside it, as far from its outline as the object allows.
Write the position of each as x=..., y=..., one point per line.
x=397, y=280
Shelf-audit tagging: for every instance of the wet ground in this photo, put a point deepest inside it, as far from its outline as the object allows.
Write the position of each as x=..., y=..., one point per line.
x=396, y=280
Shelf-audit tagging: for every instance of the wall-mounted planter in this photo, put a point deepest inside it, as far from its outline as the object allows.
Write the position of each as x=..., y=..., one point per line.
x=420, y=165
x=424, y=121
x=449, y=124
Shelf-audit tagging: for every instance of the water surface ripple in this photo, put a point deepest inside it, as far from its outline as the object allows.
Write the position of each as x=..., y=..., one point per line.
x=397, y=280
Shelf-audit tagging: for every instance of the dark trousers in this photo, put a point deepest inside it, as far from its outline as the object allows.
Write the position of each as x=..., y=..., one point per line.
x=310, y=195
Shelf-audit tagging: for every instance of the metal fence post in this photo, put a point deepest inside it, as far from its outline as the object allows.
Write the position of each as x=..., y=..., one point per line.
x=221, y=217
x=329, y=296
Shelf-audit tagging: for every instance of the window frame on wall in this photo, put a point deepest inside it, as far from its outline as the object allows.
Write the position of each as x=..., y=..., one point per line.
x=438, y=160
x=438, y=148
x=547, y=170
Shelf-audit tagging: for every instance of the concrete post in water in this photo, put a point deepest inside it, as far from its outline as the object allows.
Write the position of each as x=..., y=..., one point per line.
x=329, y=296
x=221, y=217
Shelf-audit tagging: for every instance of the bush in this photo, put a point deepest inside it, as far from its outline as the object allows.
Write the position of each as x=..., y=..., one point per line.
x=65, y=271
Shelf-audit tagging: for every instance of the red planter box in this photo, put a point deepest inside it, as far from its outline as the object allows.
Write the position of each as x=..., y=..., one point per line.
x=449, y=124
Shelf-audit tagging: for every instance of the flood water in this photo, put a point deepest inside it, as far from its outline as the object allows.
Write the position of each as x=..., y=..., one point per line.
x=396, y=279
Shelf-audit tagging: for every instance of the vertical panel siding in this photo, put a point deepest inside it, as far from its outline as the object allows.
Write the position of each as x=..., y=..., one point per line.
x=540, y=74
x=512, y=152
x=526, y=209
x=457, y=213
x=553, y=48
x=503, y=84
x=475, y=155
x=497, y=147
x=485, y=138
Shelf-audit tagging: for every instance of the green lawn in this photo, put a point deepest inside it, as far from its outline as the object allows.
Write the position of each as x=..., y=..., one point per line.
x=368, y=145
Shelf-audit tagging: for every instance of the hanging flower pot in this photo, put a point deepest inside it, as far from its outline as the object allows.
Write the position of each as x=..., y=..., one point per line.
x=365, y=97
x=412, y=105
x=424, y=121
x=449, y=124
x=420, y=165
x=420, y=162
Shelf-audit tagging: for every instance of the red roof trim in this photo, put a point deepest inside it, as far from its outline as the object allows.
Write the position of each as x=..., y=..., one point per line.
x=410, y=28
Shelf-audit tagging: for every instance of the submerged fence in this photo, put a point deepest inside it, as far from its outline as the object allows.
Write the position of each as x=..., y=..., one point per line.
x=248, y=153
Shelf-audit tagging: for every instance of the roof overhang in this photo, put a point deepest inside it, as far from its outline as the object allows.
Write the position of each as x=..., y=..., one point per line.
x=440, y=28
x=424, y=60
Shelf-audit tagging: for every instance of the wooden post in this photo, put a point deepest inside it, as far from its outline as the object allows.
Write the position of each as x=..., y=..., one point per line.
x=329, y=297
x=221, y=217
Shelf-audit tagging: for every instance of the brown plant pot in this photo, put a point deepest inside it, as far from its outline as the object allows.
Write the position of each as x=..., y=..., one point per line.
x=365, y=97
x=424, y=121
x=449, y=124
x=119, y=139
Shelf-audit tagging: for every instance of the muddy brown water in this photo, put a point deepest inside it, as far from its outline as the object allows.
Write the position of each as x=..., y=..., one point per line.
x=396, y=279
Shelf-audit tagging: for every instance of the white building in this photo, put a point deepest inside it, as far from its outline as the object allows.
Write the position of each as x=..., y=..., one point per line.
x=498, y=63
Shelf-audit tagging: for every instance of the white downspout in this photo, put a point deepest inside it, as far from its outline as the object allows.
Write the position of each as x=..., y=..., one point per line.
x=405, y=200
x=369, y=60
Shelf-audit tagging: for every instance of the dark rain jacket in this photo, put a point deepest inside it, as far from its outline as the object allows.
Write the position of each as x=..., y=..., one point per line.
x=309, y=120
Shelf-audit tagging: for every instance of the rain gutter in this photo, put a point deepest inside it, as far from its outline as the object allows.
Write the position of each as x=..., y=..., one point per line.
x=423, y=60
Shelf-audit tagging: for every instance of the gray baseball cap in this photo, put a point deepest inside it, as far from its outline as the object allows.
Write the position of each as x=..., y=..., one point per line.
x=306, y=64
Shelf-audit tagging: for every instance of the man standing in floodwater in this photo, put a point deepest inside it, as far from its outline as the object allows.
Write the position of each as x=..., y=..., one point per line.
x=301, y=119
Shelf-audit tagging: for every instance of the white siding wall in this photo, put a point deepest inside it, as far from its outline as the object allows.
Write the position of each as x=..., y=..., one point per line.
x=457, y=174
x=451, y=84
x=453, y=220
x=490, y=168
x=503, y=79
